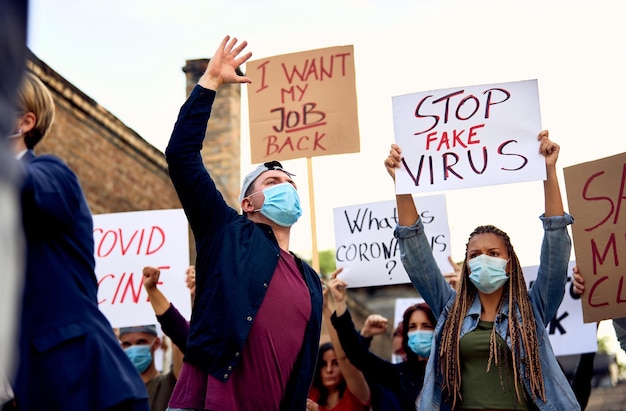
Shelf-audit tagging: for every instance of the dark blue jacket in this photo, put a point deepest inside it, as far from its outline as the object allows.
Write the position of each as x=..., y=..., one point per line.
x=69, y=357
x=236, y=259
x=393, y=386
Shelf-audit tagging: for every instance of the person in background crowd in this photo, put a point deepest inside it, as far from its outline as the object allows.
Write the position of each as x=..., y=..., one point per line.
x=139, y=344
x=491, y=348
x=338, y=384
x=61, y=325
x=238, y=356
x=401, y=382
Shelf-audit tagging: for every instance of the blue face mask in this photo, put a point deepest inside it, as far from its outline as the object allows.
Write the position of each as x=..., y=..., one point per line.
x=140, y=356
x=420, y=342
x=488, y=273
x=281, y=205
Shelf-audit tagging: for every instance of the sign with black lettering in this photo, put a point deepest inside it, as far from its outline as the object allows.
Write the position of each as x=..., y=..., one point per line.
x=368, y=251
x=468, y=137
x=568, y=333
x=127, y=242
x=303, y=105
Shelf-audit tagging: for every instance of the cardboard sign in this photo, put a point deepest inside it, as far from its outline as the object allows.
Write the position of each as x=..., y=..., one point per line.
x=468, y=137
x=567, y=332
x=595, y=191
x=368, y=251
x=303, y=105
x=127, y=242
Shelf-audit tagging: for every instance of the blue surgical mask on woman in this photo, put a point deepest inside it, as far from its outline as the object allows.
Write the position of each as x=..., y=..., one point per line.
x=420, y=342
x=140, y=356
x=488, y=273
x=281, y=205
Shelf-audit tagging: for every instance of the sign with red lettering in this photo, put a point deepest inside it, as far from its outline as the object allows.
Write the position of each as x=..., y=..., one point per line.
x=127, y=242
x=303, y=105
x=367, y=250
x=468, y=137
x=595, y=192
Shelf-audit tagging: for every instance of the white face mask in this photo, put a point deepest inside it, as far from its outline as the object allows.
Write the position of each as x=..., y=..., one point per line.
x=281, y=205
x=488, y=273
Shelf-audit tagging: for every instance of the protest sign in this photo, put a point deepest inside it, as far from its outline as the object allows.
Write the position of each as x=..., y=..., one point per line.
x=595, y=191
x=367, y=250
x=567, y=332
x=468, y=137
x=127, y=242
x=303, y=105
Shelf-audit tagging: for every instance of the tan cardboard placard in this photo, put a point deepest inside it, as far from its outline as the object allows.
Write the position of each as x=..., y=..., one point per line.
x=303, y=105
x=595, y=192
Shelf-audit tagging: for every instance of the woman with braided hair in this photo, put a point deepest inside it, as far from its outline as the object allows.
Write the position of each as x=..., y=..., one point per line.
x=491, y=350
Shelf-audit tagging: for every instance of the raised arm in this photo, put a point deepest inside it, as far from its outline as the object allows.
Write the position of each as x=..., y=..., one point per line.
x=355, y=380
x=352, y=344
x=160, y=305
x=415, y=250
x=549, y=288
x=553, y=201
x=159, y=302
x=222, y=68
x=407, y=212
x=173, y=324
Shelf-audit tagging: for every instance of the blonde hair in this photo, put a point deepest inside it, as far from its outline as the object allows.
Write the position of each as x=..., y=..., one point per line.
x=34, y=97
x=521, y=329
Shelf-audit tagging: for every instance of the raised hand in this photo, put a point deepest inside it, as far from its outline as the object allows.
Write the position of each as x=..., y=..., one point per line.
x=548, y=148
x=393, y=160
x=222, y=67
x=150, y=277
x=375, y=324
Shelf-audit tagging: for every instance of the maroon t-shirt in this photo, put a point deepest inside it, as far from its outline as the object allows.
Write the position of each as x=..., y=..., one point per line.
x=268, y=355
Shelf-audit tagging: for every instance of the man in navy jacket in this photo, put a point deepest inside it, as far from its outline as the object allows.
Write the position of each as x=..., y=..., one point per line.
x=256, y=320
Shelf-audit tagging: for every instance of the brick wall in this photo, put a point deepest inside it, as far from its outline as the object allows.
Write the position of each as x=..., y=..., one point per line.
x=118, y=170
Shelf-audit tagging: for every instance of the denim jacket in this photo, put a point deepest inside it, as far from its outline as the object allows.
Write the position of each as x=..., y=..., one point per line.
x=545, y=295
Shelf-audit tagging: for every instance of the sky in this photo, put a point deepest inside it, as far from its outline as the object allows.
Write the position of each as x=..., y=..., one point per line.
x=128, y=56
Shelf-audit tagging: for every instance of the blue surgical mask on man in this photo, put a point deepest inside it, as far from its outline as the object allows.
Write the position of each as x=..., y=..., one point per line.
x=420, y=342
x=488, y=273
x=281, y=205
x=140, y=356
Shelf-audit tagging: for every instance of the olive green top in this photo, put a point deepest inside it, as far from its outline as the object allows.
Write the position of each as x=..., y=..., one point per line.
x=487, y=390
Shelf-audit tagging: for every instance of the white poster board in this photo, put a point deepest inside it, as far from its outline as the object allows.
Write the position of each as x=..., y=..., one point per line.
x=127, y=242
x=567, y=332
x=367, y=250
x=468, y=137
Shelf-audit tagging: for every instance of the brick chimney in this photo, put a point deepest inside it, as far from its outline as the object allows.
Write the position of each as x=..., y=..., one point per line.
x=221, y=151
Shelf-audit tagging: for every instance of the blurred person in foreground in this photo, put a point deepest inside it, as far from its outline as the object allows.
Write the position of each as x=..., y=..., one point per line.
x=61, y=325
x=13, y=19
